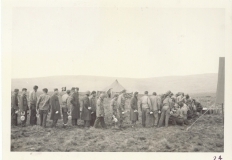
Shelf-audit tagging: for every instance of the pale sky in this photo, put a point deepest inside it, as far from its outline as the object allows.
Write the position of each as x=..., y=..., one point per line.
x=116, y=42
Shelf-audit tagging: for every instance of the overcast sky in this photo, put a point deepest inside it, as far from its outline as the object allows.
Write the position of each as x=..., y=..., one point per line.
x=118, y=42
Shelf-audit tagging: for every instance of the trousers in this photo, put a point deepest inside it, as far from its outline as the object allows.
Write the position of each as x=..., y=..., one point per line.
x=101, y=121
x=165, y=114
x=33, y=118
x=86, y=123
x=43, y=117
x=74, y=121
x=154, y=118
x=65, y=115
x=54, y=122
x=14, y=117
x=93, y=118
x=145, y=116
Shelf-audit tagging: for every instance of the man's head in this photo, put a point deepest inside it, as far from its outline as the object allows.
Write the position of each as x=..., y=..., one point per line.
x=87, y=93
x=72, y=89
x=146, y=92
x=56, y=92
x=35, y=88
x=136, y=94
x=154, y=93
x=76, y=89
x=93, y=93
x=187, y=96
x=115, y=96
x=68, y=92
x=16, y=91
x=102, y=96
x=123, y=92
x=45, y=90
x=24, y=91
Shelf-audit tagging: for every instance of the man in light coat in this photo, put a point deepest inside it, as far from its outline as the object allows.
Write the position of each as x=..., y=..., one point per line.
x=121, y=107
x=14, y=108
x=74, y=104
x=43, y=105
x=65, y=108
x=114, y=107
x=93, y=104
x=100, y=112
x=23, y=106
x=32, y=105
x=145, y=106
x=155, y=108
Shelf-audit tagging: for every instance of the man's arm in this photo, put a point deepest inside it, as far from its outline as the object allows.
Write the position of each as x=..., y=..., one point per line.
x=38, y=102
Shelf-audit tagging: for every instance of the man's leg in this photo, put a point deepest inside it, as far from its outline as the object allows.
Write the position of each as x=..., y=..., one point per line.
x=33, y=120
x=41, y=117
x=45, y=118
x=143, y=117
x=156, y=118
x=103, y=122
x=96, y=122
x=167, y=115
x=161, y=120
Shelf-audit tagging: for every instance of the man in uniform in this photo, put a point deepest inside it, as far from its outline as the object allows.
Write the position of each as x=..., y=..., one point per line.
x=43, y=105
x=113, y=105
x=100, y=112
x=65, y=108
x=55, y=107
x=155, y=108
x=93, y=103
x=14, y=108
x=86, y=110
x=145, y=105
x=32, y=105
x=75, y=110
x=23, y=106
x=134, y=116
x=121, y=107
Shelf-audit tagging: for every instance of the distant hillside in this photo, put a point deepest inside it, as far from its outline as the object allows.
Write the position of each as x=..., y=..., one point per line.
x=189, y=84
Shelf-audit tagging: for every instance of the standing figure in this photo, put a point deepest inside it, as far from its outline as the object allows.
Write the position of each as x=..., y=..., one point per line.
x=23, y=107
x=14, y=108
x=134, y=115
x=155, y=108
x=74, y=102
x=32, y=105
x=65, y=108
x=43, y=105
x=121, y=107
x=100, y=112
x=93, y=103
x=86, y=110
x=55, y=107
x=145, y=105
x=165, y=113
x=113, y=105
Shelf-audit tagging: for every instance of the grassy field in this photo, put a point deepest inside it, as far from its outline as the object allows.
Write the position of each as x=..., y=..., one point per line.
x=207, y=135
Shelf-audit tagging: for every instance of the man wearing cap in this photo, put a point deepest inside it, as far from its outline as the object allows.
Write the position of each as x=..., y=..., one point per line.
x=134, y=115
x=75, y=110
x=23, y=106
x=165, y=113
x=145, y=106
x=155, y=108
x=43, y=105
x=14, y=108
x=180, y=97
x=100, y=112
x=121, y=107
x=65, y=108
x=113, y=105
x=32, y=105
x=93, y=103
x=55, y=107
x=86, y=110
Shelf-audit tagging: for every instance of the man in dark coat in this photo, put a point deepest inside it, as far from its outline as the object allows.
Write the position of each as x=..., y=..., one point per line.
x=14, y=108
x=55, y=107
x=23, y=107
x=75, y=109
x=121, y=107
x=32, y=105
x=86, y=110
x=100, y=112
x=93, y=103
x=134, y=116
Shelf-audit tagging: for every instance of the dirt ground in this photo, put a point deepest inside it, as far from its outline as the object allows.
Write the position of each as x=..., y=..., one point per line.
x=207, y=135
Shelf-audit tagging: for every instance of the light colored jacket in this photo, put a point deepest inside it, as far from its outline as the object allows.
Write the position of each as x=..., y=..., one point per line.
x=100, y=108
x=154, y=103
x=32, y=98
x=145, y=102
x=43, y=102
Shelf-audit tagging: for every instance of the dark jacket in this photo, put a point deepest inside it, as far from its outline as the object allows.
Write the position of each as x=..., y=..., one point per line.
x=23, y=104
x=75, y=108
x=55, y=106
x=93, y=103
x=14, y=102
x=86, y=113
x=133, y=107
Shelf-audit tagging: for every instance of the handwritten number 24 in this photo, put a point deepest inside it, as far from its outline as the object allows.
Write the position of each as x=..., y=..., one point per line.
x=219, y=158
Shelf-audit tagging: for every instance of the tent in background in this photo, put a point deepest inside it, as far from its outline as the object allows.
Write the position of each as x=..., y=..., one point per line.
x=115, y=87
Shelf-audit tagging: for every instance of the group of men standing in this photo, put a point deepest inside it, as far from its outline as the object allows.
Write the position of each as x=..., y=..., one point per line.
x=155, y=110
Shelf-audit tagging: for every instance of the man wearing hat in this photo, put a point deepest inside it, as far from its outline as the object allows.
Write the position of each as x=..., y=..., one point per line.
x=145, y=105
x=121, y=107
x=55, y=107
x=23, y=107
x=86, y=109
x=74, y=104
x=100, y=112
x=32, y=105
x=113, y=105
x=93, y=104
x=14, y=108
x=43, y=105
x=165, y=113
x=134, y=115
x=65, y=108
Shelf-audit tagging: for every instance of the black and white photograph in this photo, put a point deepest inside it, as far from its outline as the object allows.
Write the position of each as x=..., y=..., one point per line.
x=115, y=77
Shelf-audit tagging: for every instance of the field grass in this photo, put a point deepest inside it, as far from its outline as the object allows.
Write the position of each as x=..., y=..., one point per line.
x=207, y=135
